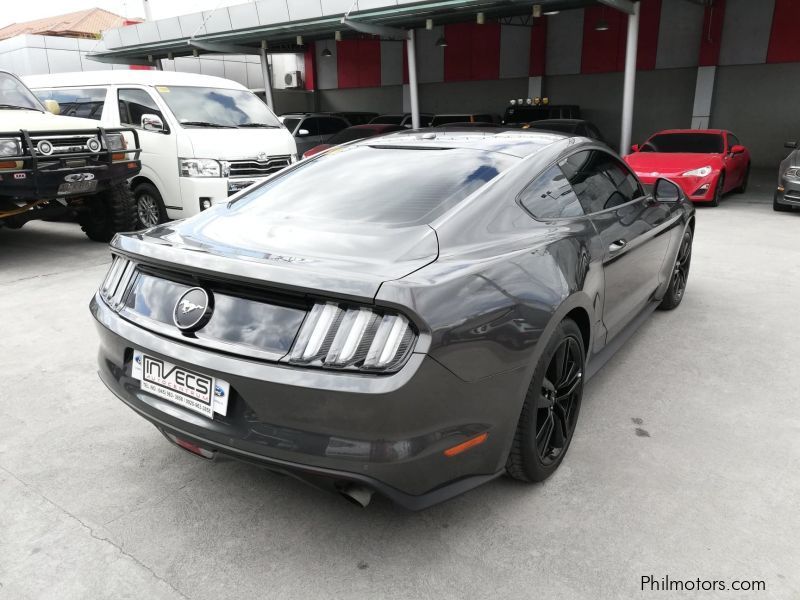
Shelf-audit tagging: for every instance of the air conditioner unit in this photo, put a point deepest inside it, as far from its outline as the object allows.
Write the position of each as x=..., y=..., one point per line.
x=293, y=79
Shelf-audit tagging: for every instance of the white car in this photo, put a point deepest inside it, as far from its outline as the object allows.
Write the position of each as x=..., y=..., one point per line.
x=203, y=138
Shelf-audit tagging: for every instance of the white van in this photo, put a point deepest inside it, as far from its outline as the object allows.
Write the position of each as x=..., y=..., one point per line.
x=203, y=138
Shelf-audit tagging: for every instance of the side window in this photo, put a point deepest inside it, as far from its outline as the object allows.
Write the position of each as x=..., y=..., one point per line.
x=133, y=103
x=78, y=102
x=550, y=196
x=600, y=180
x=331, y=126
x=626, y=182
x=311, y=125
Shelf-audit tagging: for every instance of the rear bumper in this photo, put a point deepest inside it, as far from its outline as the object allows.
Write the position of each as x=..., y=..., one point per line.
x=386, y=432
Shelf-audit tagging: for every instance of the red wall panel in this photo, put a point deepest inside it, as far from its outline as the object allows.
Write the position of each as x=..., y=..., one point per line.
x=649, y=19
x=358, y=63
x=347, y=63
x=310, y=60
x=369, y=72
x=603, y=51
x=538, y=48
x=486, y=51
x=784, y=41
x=472, y=52
x=458, y=53
x=711, y=40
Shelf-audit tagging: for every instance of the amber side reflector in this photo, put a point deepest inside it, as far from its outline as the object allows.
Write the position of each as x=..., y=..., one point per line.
x=464, y=446
x=132, y=165
x=118, y=156
x=8, y=164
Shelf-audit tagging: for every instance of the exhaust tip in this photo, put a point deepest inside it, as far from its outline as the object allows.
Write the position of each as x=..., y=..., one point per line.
x=357, y=494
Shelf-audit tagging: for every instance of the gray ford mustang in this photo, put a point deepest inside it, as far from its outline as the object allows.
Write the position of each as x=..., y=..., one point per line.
x=413, y=314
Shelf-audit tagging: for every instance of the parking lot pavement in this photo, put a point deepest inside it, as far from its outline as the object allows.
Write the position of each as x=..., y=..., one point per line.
x=685, y=463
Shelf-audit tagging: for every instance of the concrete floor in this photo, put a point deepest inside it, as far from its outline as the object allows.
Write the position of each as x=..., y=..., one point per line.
x=686, y=460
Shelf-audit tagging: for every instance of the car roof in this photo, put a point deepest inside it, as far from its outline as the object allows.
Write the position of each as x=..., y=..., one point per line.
x=377, y=126
x=125, y=76
x=558, y=122
x=310, y=114
x=515, y=142
x=712, y=131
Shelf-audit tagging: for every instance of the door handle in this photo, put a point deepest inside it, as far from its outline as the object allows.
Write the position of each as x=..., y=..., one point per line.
x=617, y=245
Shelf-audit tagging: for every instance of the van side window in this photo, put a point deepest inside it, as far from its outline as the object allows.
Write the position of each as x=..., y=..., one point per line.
x=86, y=103
x=550, y=196
x=133, y=103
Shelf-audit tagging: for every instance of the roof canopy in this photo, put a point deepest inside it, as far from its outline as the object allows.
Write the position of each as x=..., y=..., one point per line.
x=244, y=28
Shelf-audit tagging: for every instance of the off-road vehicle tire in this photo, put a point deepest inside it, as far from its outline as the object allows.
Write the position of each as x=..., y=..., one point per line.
x=109, y=212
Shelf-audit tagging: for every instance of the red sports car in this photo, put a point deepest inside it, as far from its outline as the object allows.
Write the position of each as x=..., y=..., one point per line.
x=706, y=163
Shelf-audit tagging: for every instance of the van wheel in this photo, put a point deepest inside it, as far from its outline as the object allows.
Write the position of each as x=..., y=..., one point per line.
x=551, y=407
x=150, y=209
x=110, y=211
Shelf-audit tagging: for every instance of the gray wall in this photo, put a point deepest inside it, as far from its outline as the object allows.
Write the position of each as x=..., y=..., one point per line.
x=471, y=96
x=663, y=99
x=759, y=103
x=292, y=101
x=388, y=99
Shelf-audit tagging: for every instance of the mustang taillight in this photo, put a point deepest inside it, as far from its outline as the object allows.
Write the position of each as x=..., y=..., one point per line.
x=116, y=282
x=353, y=338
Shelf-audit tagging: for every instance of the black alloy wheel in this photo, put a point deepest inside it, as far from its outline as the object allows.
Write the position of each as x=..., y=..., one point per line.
x=556, y=414
x=718, y=191
x=680, y=274
x=552, y=404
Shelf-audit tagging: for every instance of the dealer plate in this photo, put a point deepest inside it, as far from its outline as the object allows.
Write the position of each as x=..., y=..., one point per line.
x=76, y=187
x=198, y=392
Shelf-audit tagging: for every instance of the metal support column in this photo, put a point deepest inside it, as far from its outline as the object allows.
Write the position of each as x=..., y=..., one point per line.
x=630, y=80
x=412, y=79
x=267, y=79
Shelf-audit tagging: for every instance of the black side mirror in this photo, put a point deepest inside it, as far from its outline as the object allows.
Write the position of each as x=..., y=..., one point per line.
x=791, y=145
x=666, y=191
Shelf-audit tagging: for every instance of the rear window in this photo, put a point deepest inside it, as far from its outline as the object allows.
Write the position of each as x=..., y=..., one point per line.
x=389, y=119
x=373, y=185
x=350, y=134
x=445, y=119
x=557, y=127
x=693, y=143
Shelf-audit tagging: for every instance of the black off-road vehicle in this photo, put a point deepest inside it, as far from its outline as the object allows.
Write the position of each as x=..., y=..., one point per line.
x=52, y=166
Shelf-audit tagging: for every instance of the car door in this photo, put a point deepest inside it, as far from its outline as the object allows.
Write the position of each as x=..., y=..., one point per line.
x=159, y=148
x=330, y=126
x=633, y=229
x=736, y=164
x=311, y=138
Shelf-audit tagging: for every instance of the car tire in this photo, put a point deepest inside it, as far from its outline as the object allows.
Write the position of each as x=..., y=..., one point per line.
x=743, y=187
x=150, y=209
x=718, y=190
x=777, y=207
x=546, y=424
x=109, y=212
x=679, y=275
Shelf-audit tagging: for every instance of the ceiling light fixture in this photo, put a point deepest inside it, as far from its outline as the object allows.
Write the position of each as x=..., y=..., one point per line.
x=441, y=42
x=481, y=18
x=537, y=11
x=429, y=24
